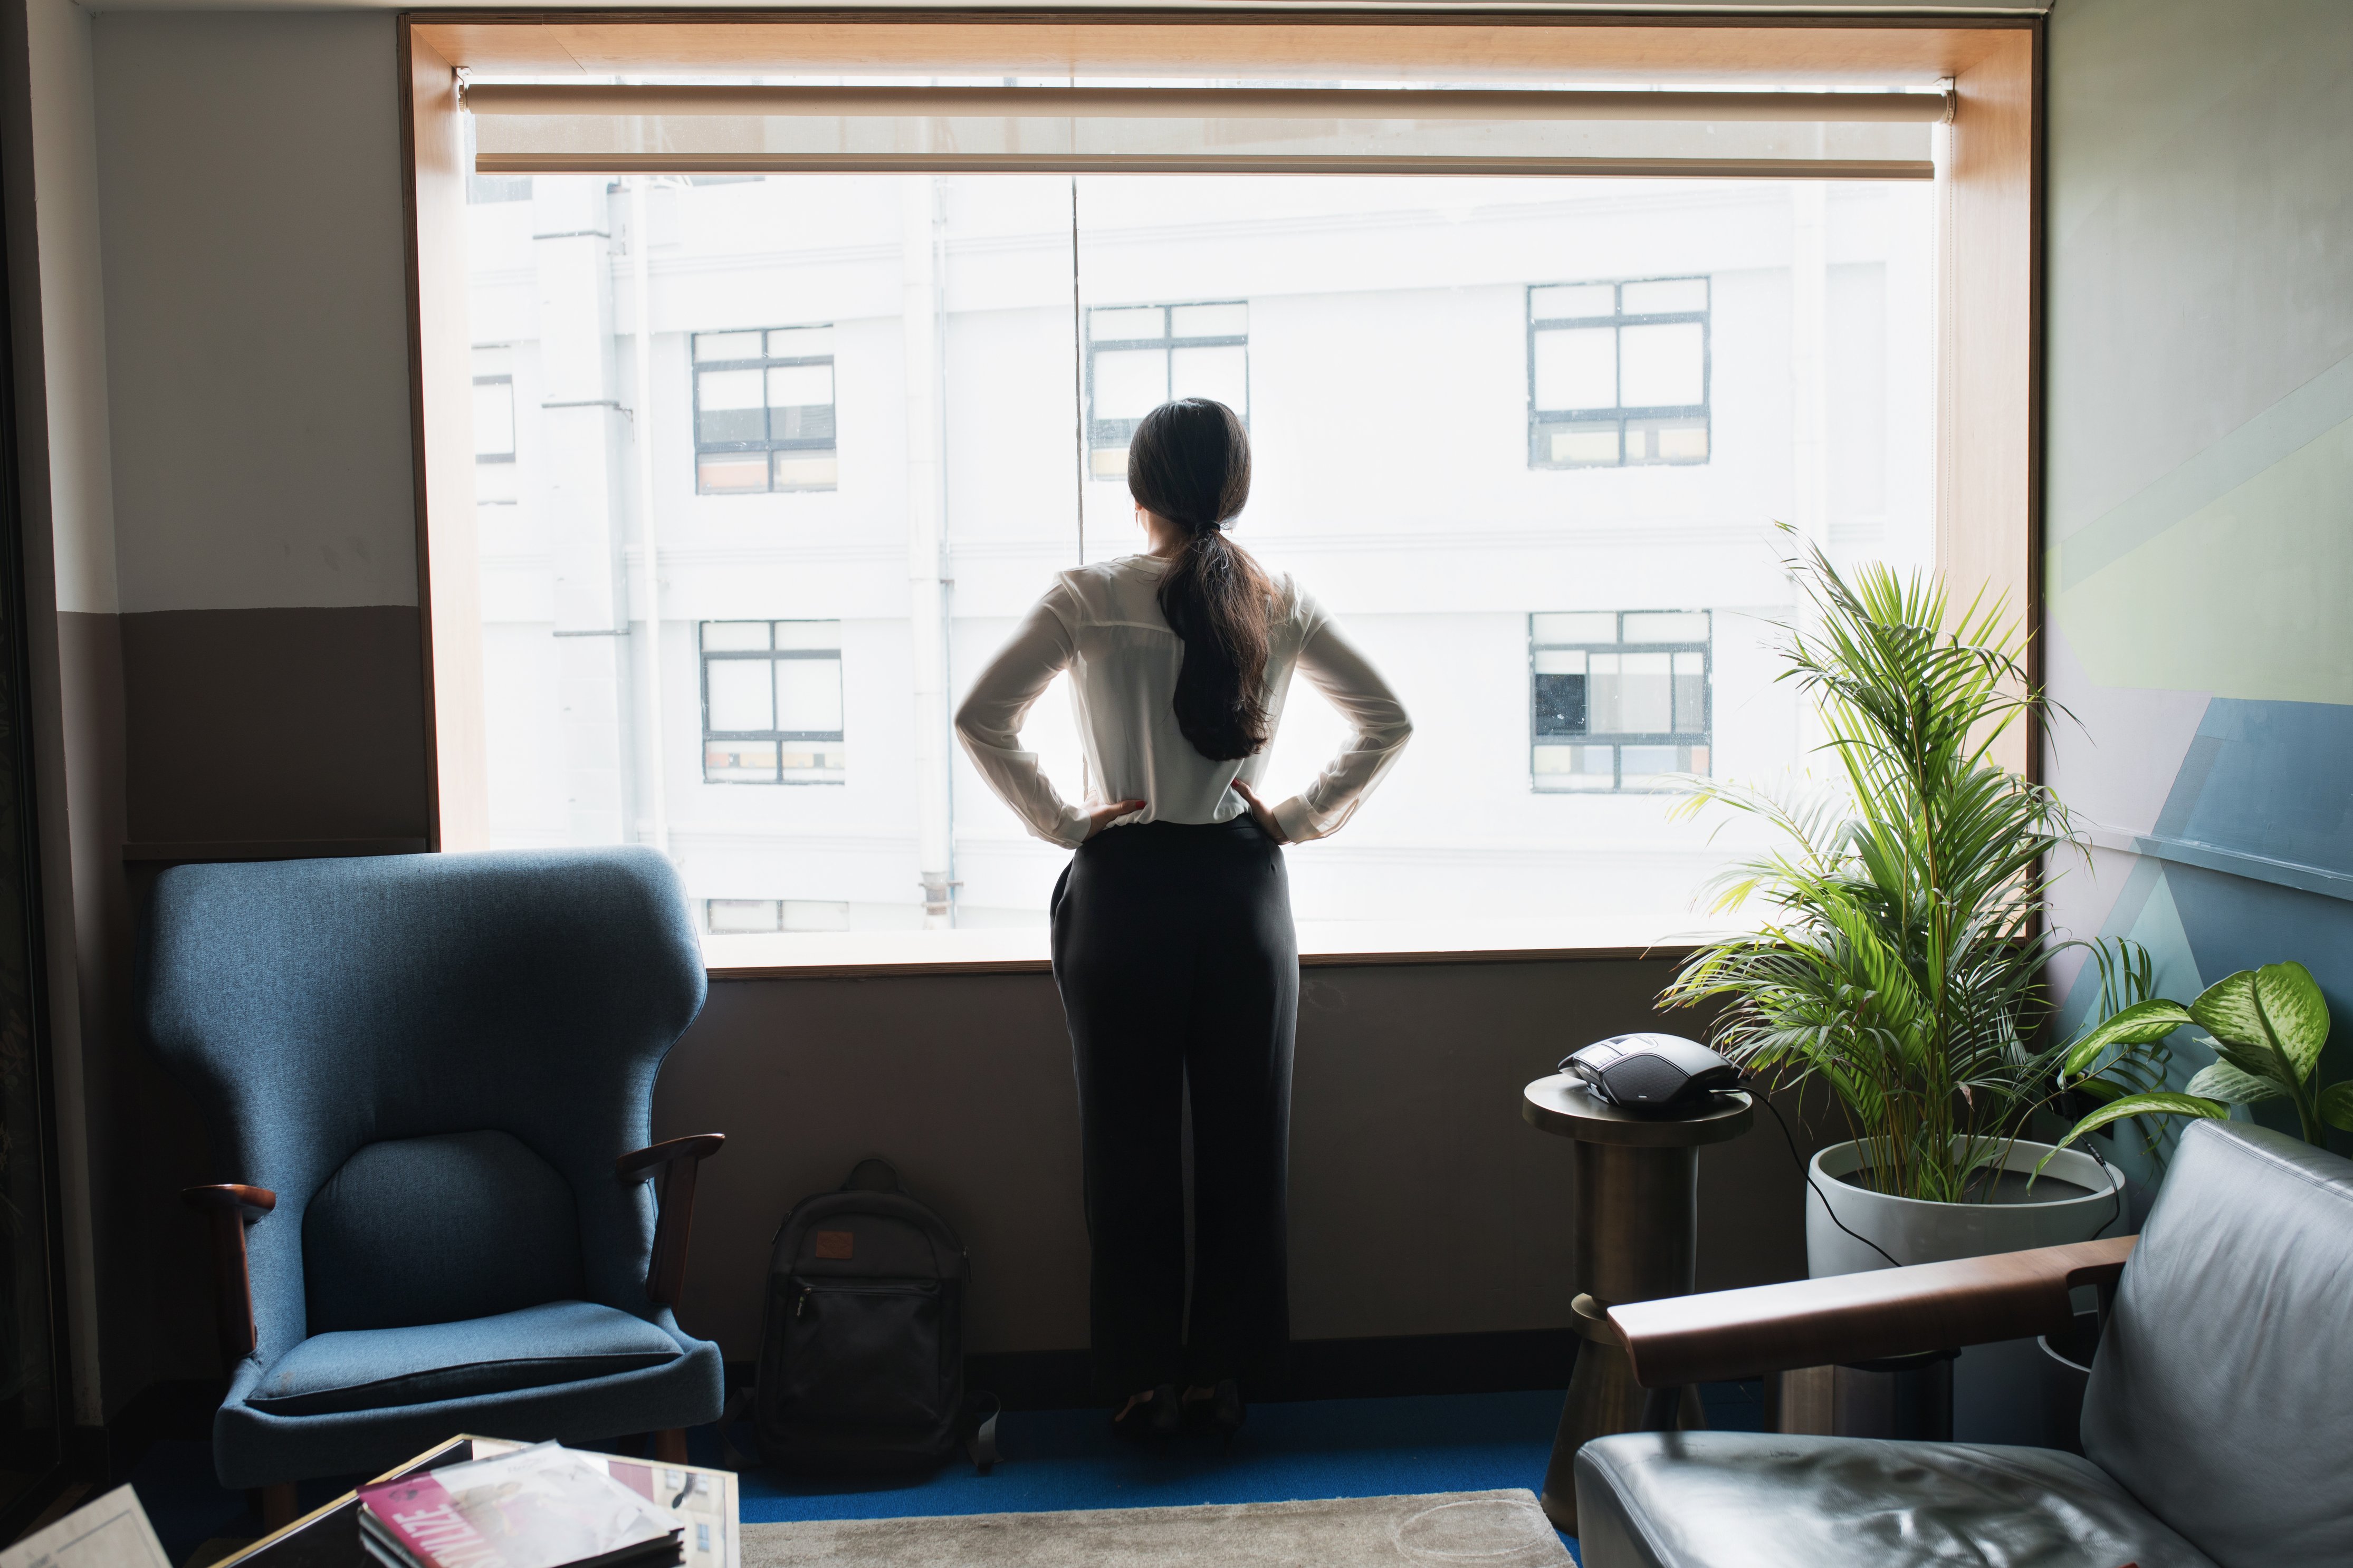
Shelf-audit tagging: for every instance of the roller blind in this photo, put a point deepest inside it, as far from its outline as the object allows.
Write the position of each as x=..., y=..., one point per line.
x=534, y=129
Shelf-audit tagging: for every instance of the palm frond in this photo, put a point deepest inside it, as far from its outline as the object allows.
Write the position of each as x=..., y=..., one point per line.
x=1901, y=958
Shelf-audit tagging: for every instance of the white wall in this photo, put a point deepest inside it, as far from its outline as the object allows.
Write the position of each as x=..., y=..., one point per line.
x=73, y=308
x=257, y=315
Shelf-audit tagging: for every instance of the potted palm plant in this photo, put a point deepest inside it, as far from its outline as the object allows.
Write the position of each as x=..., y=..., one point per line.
x=1899, y=961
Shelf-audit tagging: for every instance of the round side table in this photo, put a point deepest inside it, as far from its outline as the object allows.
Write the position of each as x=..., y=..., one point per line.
x=1637, y=1223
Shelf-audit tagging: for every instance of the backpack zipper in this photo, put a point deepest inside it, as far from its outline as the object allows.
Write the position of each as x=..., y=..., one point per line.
x=804, y=1288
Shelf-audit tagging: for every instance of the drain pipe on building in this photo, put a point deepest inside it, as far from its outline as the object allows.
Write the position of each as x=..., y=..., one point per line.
x=646, y=585
x=924, y=304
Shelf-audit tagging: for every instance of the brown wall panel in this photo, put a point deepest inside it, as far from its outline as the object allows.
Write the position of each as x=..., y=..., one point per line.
x=1420, y=1203
x=253, y=726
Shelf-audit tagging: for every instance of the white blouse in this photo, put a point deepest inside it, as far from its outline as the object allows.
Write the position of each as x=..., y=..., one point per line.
x=1104, y=621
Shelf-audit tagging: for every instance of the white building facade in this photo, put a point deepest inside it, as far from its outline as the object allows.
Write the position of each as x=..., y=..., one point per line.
x=743, y=550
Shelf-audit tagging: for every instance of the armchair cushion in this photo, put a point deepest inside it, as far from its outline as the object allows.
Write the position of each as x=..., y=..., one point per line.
x=437, y=1229
x=1741, y=1500
x=253, y=1447
x=369, y=1369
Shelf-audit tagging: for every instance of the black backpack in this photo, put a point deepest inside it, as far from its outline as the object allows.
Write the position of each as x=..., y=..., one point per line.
x=861, y=1341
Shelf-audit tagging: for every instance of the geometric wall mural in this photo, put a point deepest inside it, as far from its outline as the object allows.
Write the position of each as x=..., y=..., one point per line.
x=2198, y=485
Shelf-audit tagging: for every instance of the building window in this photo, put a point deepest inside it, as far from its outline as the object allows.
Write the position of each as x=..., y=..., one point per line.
x=746, y=917
x=1618, y=373
x=1618, y=700
x=764, y=411
x=494, y=411
x=494, y=425
x=487, y=188
x=1141, y=356
x=772, y=702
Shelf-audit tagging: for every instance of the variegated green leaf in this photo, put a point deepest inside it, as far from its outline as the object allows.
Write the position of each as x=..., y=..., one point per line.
x=2256, y=1061
x=2227, y=1010
x=2142, y=1023
x=2297, y=1011
x=2162, y=1103
x=2226, y=1083
x=2337, y=1105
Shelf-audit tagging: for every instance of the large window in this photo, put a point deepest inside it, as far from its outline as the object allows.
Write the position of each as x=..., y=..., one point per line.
x=764, y=411
x=1140, y=356
x=772, y=702
x=670, y=648
x=1618, y=701
x=1618, y=373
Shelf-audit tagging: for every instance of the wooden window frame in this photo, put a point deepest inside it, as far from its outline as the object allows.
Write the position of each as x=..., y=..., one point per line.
x=1988, y=414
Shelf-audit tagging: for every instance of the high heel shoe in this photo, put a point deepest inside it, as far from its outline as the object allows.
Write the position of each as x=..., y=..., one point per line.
x=1221, y=1409
x=1157, y=1415
x=1226, y=1407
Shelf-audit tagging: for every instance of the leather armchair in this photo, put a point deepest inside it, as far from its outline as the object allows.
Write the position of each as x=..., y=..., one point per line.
x=2218, y=1426
x=432, y=1078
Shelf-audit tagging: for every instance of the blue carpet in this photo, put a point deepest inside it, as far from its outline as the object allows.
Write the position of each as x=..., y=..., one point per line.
x=1057, y=1459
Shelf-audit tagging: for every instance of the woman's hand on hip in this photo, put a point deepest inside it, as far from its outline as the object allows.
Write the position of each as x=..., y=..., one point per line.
x=1102, y=817
x=1261, y=812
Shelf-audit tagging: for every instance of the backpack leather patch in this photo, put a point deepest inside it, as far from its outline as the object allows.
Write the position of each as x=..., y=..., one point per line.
x=839, y=1246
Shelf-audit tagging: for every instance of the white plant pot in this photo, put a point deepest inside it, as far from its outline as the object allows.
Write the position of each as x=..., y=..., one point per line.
x=1914, y=1231
x=1997, y=1394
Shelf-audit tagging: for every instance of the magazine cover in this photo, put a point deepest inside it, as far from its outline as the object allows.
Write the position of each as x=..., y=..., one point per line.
x=701, y=1500
x=541, y=1507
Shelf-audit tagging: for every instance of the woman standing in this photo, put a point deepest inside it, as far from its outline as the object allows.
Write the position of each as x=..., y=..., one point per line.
x=1173, y=944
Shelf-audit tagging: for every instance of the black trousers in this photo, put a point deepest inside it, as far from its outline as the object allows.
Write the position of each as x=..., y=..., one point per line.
x=1178, y=967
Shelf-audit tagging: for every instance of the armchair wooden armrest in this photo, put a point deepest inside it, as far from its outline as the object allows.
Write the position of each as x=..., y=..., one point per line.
x=677, y=1159
x=1883, y=1313
x=231, y=1208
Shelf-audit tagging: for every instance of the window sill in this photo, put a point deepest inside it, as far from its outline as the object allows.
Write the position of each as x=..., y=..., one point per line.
x=1022, y=949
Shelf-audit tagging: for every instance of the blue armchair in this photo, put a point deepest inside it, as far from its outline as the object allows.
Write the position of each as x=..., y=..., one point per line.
x=431, y=1076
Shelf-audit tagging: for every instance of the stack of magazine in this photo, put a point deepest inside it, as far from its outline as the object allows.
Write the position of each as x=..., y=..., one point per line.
x=541, y=1507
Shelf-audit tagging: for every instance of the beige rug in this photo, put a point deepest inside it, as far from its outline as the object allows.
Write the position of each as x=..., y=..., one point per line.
x=1465, y=1530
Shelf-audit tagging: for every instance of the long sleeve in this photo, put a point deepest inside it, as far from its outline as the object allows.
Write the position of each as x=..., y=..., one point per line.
x=988, y=723
x=1338, y=669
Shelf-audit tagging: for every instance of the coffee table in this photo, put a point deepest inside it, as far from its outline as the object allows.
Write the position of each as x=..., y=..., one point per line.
x=704, y=1503
x=1637, y=1225
x=329, y=1537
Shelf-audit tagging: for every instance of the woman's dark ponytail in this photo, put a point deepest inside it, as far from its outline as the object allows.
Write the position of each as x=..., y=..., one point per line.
x=1190, y=463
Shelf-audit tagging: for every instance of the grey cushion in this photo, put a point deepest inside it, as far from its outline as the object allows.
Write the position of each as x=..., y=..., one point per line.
x=368, y=1369
x=1742, y=1499
x=496, y=1223
x=2222, y=1395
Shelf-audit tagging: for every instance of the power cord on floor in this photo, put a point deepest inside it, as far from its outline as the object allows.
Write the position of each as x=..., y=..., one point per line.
x=1757, y=1092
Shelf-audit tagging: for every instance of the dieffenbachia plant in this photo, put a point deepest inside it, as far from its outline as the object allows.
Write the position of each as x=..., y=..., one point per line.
x=2268, y=1025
